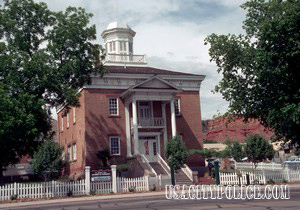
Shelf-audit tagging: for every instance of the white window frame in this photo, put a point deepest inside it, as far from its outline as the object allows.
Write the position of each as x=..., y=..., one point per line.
x=110, y=146
x=109, y=108
x=74, y=115
x=68, y=120
x=69, y=153
x=74, y=148
x=62, y=123
x=177, y=113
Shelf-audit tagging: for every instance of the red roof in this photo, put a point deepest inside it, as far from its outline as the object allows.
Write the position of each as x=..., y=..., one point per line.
x=144, y=70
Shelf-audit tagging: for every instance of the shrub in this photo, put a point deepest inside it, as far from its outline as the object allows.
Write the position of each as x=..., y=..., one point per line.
x=131, y=189
x=153, y=188
x=255, y=181
x=284, y=181
x=69, y=193
x=93, y=192
x=13, y=197
x=270, y=181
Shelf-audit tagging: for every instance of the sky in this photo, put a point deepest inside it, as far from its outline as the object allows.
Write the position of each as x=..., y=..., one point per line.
x=171, y=33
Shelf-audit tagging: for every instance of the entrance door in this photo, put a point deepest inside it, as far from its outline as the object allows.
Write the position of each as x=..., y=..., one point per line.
x=148, y=146
x=145, y=112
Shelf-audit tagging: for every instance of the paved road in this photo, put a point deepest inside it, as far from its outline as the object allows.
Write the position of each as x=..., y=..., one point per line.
x=160, y=202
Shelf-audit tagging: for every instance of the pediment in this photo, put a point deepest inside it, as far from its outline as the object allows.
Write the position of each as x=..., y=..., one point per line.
x=155, y=83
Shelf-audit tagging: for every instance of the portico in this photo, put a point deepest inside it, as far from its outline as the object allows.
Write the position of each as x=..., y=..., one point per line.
x=141, y=97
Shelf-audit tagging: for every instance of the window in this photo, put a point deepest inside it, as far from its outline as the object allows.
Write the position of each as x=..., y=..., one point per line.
x=114, y=145
x=177, y=106
x=113, y=106
x=110, y=47
x=68, y=120
x=62, y=123
x=113, y=46
x=74, y=115
x=69, y=153
x=74, y=152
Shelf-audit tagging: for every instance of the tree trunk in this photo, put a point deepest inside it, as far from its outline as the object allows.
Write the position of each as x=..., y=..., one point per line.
x=1, y=176
x=173, y=175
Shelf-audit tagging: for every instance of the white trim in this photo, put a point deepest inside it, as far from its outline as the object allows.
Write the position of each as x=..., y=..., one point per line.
x=128, y=135
x=179, y=108
x=68, y=120
x=112, y=97
x=74, y=115
x=62, y=123
x=119, y=141
x=74, y=156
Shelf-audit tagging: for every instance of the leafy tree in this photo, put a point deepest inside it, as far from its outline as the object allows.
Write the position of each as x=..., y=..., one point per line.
x=104, y=156
x=176, y=154
x=261, y=68
x=235, y=150
x=45, y=57
x=258, y=149
x=47, y=160
x=297, y=152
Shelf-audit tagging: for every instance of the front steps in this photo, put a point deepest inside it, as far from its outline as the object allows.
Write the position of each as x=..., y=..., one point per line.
x=158, y=168
x=182, y=179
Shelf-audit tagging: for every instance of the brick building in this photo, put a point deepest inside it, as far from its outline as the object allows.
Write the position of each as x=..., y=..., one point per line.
x=131, y=111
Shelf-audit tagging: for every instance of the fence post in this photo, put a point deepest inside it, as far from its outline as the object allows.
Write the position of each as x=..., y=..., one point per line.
x=15, y=188
x=114, y=178
x=87, y=180
x=147, y=183
x=264, y=177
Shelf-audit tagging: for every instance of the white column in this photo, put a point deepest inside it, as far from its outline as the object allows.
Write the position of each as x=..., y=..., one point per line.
x=135, y=127
x=165, y=131
x=127, y=119
x=88, y=179
x=173, y=118
x=114, y=178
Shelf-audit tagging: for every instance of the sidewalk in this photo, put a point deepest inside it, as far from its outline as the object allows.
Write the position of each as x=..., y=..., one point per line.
x=95, y=197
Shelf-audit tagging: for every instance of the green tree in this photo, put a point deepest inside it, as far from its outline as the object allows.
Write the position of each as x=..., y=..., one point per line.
x=47, y=160
x=257, y=149
x=261, y=68
x=235, y=150
x=45, y=57
x=104, y=156
x=176, y=154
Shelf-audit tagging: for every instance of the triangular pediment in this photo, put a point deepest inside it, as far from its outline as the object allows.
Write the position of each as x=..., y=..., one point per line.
x=155, y=83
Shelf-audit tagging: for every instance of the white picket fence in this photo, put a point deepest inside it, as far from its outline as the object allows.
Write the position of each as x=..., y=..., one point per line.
x=42, y=189
x=82, y=187
x=263, y=177
x=260, y=166
x=101, y=187
x=137, y=184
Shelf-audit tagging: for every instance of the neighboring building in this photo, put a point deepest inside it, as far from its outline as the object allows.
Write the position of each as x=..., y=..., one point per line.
x=132, y=110
x=221, y=130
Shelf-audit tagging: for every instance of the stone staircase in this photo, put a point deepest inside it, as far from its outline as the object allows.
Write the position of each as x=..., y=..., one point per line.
x=181, y=178
x=158, y=168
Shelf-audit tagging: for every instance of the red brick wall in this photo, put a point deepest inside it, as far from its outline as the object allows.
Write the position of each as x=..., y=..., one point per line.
x=71, y=135
x=99, y=125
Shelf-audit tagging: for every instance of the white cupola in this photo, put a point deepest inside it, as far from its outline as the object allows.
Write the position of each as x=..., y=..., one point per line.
x=118, y=41
x=118, y=38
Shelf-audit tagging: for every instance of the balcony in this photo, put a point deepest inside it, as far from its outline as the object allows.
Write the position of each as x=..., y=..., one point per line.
x=156, y=122
x=123, y=58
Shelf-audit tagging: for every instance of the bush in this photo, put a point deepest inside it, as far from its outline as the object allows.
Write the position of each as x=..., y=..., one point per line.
x=270, y=181
x=255, y=181
x=153, y=188
x=93, y=192
x=14, y=197
x=69, y=193
x=284, y=181
x=131, y=189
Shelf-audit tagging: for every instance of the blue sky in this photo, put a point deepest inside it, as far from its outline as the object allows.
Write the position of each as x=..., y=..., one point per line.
x=171, y=33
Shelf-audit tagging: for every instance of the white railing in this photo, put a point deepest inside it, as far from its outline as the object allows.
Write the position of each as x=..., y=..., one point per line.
x=188, y=172
x=136, y=184
x=42, y=189
x=122, y=58
x=151, y=122
x=145, y=160
x=164, y=164
x=260, y=166
x=286, y=175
